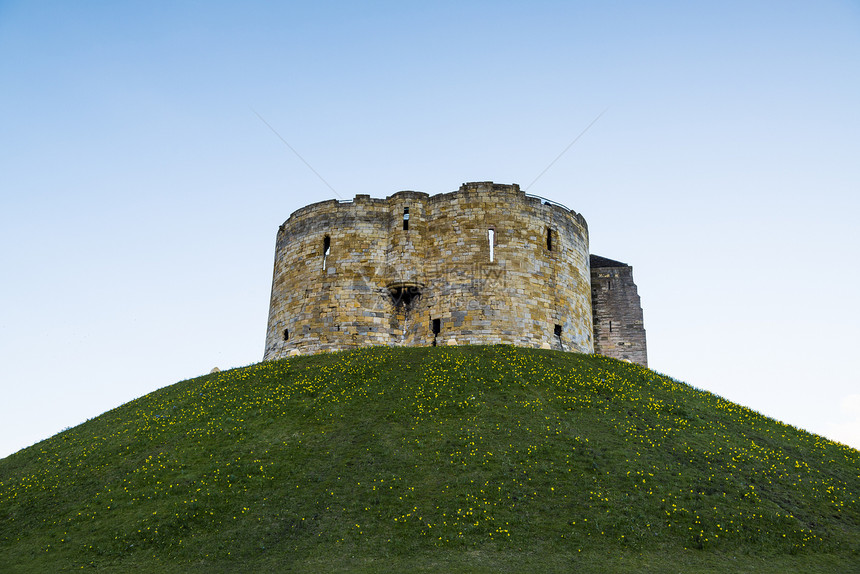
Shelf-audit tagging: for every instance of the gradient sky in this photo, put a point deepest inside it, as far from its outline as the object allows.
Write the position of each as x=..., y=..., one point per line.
x=140, y=193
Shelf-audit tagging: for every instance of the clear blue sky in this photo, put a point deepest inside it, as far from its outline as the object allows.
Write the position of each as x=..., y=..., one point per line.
x=140, y=193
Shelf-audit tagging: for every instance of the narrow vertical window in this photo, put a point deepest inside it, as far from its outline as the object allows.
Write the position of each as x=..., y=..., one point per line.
x=405, y=219
x=558, y=330
x=436, y=326
x=491, y=235
x=610, y=326
x=326, y=250
x=286, y=334
x=551, y=239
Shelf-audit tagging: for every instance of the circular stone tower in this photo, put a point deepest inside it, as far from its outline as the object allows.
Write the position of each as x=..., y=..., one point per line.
x=482, y=265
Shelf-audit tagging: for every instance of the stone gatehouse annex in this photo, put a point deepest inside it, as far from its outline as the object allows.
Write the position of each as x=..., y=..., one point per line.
x=484, y=264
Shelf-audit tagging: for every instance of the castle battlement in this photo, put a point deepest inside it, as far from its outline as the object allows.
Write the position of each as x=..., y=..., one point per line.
x=481, y=265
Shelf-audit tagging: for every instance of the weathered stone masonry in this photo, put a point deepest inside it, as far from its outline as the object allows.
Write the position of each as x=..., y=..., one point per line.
x=619, y=330
x=485, y=264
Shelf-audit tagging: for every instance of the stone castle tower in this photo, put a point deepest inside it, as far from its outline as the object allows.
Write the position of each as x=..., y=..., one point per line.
x=482, y=265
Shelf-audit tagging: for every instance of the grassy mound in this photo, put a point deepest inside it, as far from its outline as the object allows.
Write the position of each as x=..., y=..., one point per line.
x=472, y=459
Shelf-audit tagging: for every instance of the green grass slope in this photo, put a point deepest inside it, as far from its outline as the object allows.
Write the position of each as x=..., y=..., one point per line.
x=469, y=459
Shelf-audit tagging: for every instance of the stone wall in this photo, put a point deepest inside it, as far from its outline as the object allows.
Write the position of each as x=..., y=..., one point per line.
x=351, y=274
x=619, y=329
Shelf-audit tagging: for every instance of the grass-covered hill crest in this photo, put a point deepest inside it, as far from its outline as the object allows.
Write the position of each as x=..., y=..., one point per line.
x=472, y=459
